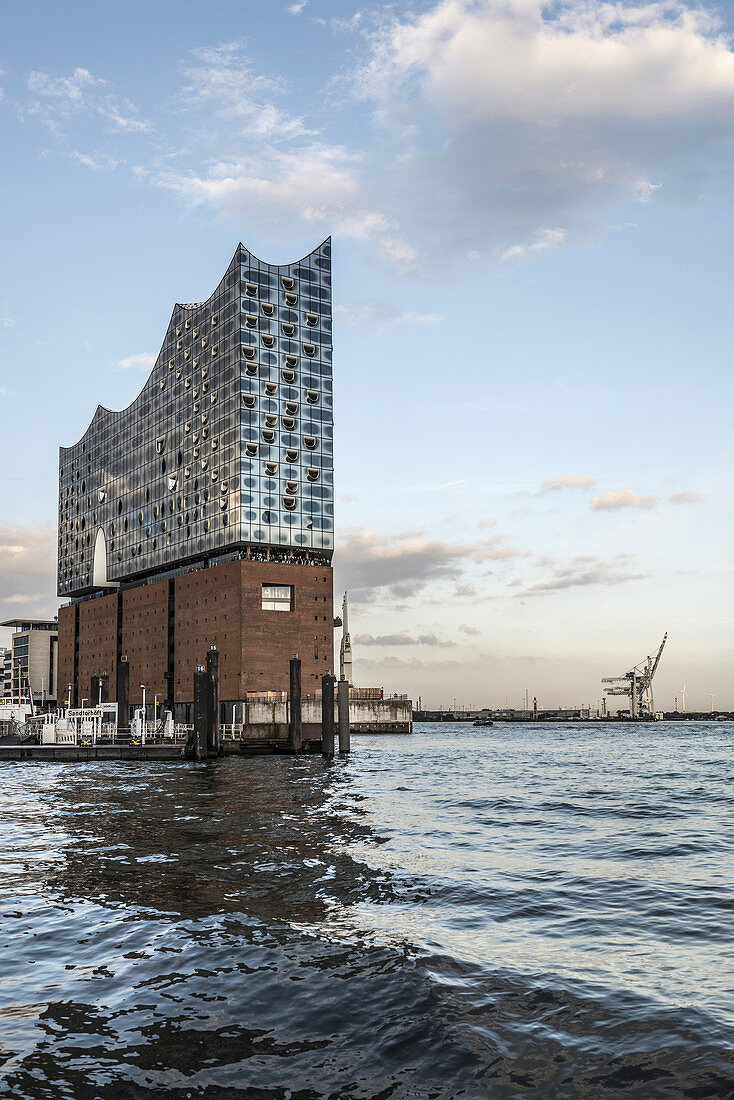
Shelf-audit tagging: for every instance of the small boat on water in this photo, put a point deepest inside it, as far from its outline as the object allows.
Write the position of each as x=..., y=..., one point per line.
x=484, y=722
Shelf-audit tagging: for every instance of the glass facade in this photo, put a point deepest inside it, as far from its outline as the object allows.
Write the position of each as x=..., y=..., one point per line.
x=229, y=443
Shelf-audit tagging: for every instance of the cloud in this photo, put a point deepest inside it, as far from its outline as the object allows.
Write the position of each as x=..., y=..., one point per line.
x=383, y=314
x=402, y=639
x=143, y=361
x=568, y=481
x=348, y=497
x=56, y=99
x=26, y=551
x=585, y=571
x=7, y=320
x=297, y=7
x=6, y=392
x=24, y=598
x=403, y=564
x=584, y=106
x=466, y=629
x=452, y=484
x=609, y=501
x=96, y=163
x=686, y=497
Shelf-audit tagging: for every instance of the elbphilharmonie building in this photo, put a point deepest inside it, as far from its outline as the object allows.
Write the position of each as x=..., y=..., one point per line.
x=201, y=513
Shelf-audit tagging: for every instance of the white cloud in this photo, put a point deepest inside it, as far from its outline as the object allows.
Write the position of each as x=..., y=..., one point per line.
x=143, y=361
x=381, y=314
x=687, y=496
x=453, y=484
x=586, y=571
x=609, y=501
x=402, y=639
x=524, y=122
x=4, y=392
x=348, y=498
x=7, y=320
x=568, y=481
x=465, y=628
x=97, y=162
x=57, y=98
x=297, y=7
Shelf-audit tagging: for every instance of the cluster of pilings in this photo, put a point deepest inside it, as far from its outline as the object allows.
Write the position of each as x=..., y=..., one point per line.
x=205, y=739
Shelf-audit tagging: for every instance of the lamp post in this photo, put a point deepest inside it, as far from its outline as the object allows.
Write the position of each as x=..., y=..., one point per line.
x=83, y=702
x=68, y=701
x=143, y=725
x=155, y=711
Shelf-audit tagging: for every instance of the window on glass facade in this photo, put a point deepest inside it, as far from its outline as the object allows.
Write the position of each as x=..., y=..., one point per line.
x=288, y=328
x=251, y=290
x=271, y=388
x=250, y=320
x=312, y=319
x=251, y=449
x=287, y=282
x=288, y=375
x=291, y=454
x=289, y=503
x=248, y=400
x=312, y=474
x=312, y=396
x=277, y=597
x=309, y=349
x=247, y=352
x=310, y=442
x=271, y=469
x=291, y=299
x=268, y=309
x=268, y=340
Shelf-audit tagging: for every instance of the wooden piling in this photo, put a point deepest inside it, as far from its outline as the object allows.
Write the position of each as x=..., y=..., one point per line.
x=327, y=716
x=295, y=721
x=343, y=712
x=123, y=696
x=214, y=741
x=201, y=708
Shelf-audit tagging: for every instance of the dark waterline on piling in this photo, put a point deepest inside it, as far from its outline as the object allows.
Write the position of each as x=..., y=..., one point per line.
x=518, y=911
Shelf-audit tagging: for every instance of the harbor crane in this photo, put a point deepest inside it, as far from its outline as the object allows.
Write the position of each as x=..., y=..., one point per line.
x=637, y=685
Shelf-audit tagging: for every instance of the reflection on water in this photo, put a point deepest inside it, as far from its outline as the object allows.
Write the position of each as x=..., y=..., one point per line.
x=518, y=911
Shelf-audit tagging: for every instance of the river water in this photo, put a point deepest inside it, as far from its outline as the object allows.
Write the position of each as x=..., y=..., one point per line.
x=522, y=911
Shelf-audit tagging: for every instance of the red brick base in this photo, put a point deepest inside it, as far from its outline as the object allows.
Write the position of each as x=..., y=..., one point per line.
x=220, y=606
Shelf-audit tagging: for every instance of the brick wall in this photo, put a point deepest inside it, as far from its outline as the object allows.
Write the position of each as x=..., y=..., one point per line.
x=220, y=606
x=65, y=666
x=97, y=644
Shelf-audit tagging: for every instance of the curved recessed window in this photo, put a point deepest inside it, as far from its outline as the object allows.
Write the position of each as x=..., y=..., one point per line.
x=288, y=423
x=312, y=319
x=205, y=341
x=271, y=420
x=268, y=340
x=204, y=385
x=197, y=451
x=251, y=290
x=291, y=360
x=271, y=469
x=268, y=309
x=213, y=398
x=289, y=503
x=250, y=449
x=215, y=475
x=204, y=463
x=224, y=487
x=119, y=507
x=204, y=370
x=291, y=407
x=187, y=426
x=215, y=350
x=187, y=354
x=291, y=298
x=172, y=484
x=179, y=343
x=160, y=444
x=266, y=516
x=250, y=320
x=248, y=400
x=309, y=442
x=187, y=470
x=271, y=388
x=195, y=334
x=312, y=396
x=187, y=383
x=101, y=496
x=187, y=325
x=287, y=281
x=288, y=375
x=171, y=364
x=288, y=328
x=251, y=370
x=215, y=319
x=309, y=349
x=291, y=487
x=248, y=352
x=162, y=383
x=312, y=474
x=197, y=406
x=215, y=444
x=268, y=435
x=204, y=419
x=291, y=454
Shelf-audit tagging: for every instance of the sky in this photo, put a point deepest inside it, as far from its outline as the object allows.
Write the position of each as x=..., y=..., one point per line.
x=530, y=208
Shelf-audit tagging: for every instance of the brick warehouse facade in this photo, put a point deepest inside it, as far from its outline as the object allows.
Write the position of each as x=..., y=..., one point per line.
x=166, y=627
x=202, y=515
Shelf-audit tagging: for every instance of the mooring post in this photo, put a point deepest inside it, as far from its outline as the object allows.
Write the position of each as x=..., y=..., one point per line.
x=201, y=708
x=295, y=723
x=342, y=692
x=123, y=696
x=214, y=743
x=327, y=716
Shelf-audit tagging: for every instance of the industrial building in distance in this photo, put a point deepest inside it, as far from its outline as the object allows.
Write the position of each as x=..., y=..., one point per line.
x=202, y=515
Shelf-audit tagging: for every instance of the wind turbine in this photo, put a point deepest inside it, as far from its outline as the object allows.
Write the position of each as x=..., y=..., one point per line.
x=683, y=695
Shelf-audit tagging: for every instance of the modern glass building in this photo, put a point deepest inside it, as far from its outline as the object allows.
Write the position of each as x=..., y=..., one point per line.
x=203, y=514
x=227, y=448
